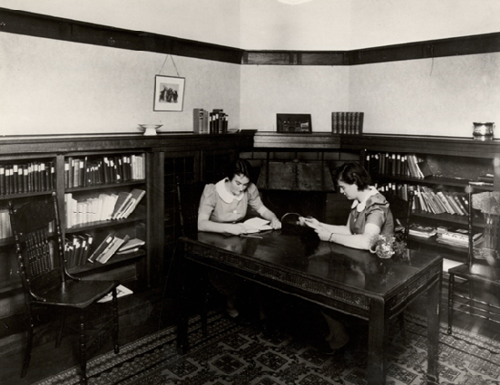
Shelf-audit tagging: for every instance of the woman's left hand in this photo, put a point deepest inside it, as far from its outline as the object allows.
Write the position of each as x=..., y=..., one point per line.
x=275, y=224
x=323, y=234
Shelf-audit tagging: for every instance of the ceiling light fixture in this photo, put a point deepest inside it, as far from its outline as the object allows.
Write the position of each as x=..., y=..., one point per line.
x=294, y=2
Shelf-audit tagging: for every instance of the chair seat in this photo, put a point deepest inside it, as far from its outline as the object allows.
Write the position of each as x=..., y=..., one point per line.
x=477, y=272
x=75, y=294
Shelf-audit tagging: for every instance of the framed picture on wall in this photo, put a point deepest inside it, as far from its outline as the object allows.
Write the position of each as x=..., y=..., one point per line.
x=294, y=123
x=169, y=93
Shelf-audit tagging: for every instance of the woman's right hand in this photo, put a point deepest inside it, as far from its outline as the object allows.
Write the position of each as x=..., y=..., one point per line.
x=236, y=229
x=309, y=221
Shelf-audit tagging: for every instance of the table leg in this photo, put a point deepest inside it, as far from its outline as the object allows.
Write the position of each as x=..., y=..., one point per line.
x=433, y=302
x=181, y=300
x=377, y=344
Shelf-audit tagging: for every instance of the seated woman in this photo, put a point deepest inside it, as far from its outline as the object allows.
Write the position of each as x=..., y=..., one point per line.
x=222, y=206
x=369, y=217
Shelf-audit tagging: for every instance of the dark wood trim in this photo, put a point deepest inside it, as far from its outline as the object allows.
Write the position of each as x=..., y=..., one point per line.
x=443, y=145
x=63, y=144
x=32, y=24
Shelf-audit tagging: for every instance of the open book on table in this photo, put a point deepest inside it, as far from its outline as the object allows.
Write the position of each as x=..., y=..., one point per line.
x=256, y=224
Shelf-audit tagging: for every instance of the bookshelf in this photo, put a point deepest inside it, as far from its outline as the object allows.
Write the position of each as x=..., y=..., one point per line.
x=162, y=158
x=446, y=166
x=104, y=194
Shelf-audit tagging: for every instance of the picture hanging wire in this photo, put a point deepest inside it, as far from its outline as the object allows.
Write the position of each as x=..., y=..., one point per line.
x=173, y=62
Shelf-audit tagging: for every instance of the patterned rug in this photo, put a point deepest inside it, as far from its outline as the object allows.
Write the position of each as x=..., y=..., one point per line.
x=233, y=354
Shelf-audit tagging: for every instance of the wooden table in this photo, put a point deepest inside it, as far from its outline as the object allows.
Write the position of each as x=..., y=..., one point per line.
x=352, y=281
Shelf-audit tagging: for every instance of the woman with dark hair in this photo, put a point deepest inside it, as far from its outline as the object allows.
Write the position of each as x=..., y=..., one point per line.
x=370, y=214
x=223, y=206
x=369, y=217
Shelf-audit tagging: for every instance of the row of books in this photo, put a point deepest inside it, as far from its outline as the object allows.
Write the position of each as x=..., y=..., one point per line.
x=218, y=122
x=430, y=200
x=103, y=207
x=27, y=177
x=5, y=227
x=441, y=202
x=91, y=171
x=114, y=244
x=392, y=164
x=347, y=123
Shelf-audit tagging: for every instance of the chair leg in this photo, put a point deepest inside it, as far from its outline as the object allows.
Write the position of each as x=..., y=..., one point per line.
x=401, y=321
x=83, y=348
x=115, y=330
x=204, y=315
x=61, y=328
x=451, y=288
x=29, y=346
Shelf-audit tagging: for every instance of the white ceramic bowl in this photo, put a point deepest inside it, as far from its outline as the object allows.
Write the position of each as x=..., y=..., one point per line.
x=150, y=129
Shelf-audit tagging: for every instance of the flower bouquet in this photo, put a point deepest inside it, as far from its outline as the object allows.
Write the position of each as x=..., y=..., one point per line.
x=387, y=246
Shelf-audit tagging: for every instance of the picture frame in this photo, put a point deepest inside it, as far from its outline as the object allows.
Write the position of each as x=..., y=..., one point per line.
x=294, y=123
x=169, y=93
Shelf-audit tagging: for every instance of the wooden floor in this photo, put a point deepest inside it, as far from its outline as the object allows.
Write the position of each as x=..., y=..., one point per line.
x=143, y=315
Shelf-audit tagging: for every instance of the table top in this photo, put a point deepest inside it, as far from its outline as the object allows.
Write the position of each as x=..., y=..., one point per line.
x=313, y=261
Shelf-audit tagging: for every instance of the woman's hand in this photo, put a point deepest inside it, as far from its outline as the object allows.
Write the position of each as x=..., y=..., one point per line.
x=275, y=224
x=323, y=234
x=236, y=229
x=309, y=221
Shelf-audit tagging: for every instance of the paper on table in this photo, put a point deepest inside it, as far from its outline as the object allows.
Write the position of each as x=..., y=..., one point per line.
x=256, y=224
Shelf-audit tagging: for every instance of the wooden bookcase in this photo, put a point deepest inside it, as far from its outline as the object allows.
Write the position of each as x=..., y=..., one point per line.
x=163, y=158
x=452, y=163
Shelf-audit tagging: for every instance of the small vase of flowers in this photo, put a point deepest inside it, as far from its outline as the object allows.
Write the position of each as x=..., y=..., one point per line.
x=385, y=246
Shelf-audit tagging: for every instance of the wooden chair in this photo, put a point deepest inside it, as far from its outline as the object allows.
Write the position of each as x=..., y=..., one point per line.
x=481, y=272
x=47, y=284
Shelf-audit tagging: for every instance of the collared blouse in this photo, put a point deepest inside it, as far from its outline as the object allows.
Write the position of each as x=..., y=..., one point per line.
x=375, y=209
x=223, y=207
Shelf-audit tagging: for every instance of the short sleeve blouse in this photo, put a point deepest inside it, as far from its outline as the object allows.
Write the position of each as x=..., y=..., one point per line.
x=219, y=210
x=377, y=212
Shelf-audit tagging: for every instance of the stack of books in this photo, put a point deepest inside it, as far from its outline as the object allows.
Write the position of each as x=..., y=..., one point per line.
x=108, y=247
x=457, y=237
x=422, y=231
x=347, y=123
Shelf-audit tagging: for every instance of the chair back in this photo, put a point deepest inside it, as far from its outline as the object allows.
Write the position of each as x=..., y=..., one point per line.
x=39, y=247
x=484, y=211
x=401, y=210
x=188, y=201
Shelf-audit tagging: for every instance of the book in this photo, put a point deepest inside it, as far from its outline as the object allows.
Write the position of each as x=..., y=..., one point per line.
x=131, y=244
x=137, y=195
x=121, y=291
x=256, y=224
x=123, y=198
x=112, y=248
x=102, y=246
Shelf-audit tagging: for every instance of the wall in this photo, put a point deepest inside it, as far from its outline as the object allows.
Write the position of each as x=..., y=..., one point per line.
x=54, y=87
x=441, y=96
x=267, y=90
